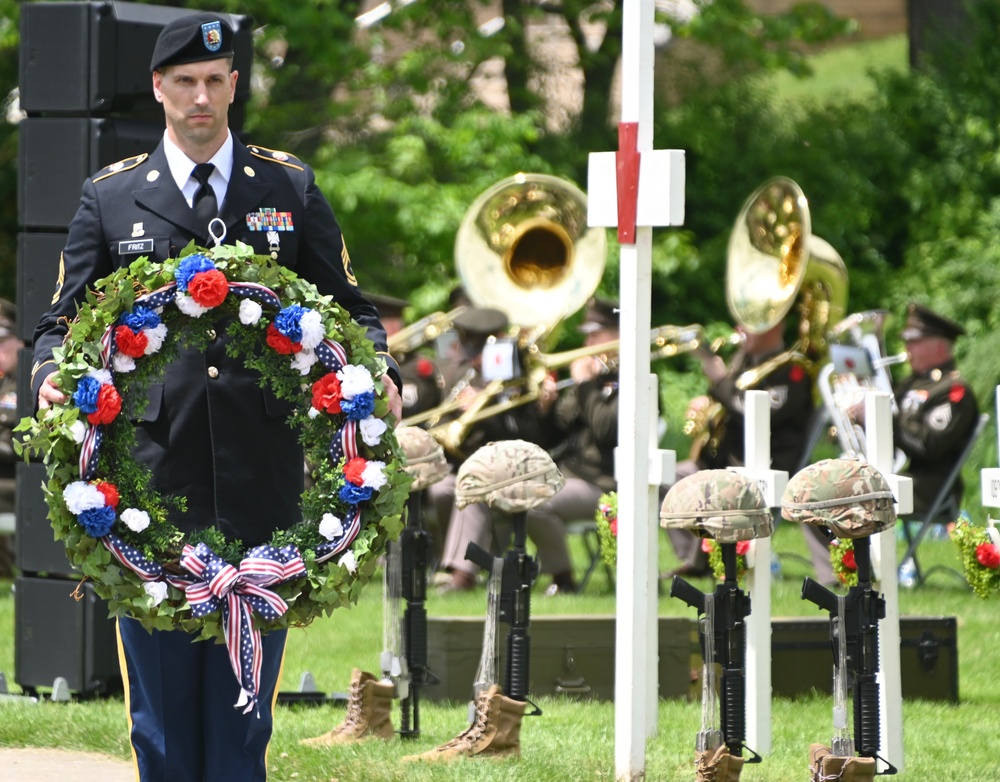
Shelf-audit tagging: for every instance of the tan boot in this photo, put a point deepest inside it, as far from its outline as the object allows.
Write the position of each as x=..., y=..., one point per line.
x=718, y=766
x=369, y=713
x=495, y=731
x=827, y=767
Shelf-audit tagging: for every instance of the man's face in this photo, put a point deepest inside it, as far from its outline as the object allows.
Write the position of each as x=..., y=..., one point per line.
x=925, y=353
x=196, y=98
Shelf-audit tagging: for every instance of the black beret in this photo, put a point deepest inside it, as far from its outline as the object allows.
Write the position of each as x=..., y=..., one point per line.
x=388, y=306
x=192, y=38
x=600, y=314
x=480, y=322
x=923, y=322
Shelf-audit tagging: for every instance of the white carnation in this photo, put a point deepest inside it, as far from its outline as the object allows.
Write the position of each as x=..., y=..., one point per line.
x=304, y=361
x=348, y=561
x=103, y=376
x=373, y=476
x=355, y=380
x=250, y=312
x=189, y=306
x=372, y=430
x=313, y=412
x=122, y=363
x=330, y=527
x=81, y=496
x=79, y=430
x=135, y=519
x=155, y=339
x=313, y=332
x=156, y=590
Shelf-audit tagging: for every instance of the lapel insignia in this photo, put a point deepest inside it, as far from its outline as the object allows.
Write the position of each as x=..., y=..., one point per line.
x=270, y=219
x=138, y=230
x=152, y=176
x=248, y=171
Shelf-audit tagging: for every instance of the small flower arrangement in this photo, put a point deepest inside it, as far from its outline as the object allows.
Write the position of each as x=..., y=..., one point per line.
x=845, y=568
x=714, y=550
x=102, y=503
x=606, y=517
x=980, y=557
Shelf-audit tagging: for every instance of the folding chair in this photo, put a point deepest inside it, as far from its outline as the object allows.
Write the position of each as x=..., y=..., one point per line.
x=587, y=530
x=944, y=508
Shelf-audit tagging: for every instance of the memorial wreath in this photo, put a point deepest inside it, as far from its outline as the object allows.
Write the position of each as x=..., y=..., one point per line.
x=115, y=524
x=980, y=554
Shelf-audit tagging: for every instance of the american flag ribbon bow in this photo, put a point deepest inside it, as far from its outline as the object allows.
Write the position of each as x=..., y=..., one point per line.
x=239, y=593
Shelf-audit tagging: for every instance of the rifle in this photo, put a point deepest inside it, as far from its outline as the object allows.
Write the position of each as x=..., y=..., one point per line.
x=415, y=544
x=854, y=637
x=519, y=573
x=723, y=643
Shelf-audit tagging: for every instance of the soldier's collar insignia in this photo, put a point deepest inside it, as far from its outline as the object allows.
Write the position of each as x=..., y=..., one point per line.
x=138, y=230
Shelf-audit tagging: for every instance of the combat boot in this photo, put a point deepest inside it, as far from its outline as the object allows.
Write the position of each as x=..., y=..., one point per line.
x=495, y=730
x=718, y=766
x=369, y=713
x=827, y=767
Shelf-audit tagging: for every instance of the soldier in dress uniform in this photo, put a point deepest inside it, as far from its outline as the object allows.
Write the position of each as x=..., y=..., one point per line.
x=9, y=346
x=937, y=408
x=209, y=425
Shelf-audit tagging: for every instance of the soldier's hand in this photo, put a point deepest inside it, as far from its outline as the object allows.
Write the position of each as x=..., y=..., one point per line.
x=49, y=393
x=395, y=400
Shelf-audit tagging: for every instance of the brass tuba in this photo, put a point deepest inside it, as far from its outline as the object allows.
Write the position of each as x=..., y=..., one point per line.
x=774, y=263
x=524, y=247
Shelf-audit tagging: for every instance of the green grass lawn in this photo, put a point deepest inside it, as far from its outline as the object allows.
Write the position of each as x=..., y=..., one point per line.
x=572, y=740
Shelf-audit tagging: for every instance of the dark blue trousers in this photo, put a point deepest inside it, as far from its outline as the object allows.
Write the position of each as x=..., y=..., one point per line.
x=180, y=694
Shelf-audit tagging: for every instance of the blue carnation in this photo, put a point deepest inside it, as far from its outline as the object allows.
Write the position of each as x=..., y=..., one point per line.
x=140, y=318
x=359, y=408
x=97, y=521
x=355, y=494
x=85, y=396
x=289, y=322
x=191, y=266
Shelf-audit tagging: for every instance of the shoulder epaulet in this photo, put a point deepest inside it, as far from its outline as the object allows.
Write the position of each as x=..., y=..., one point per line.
x=276, y=156
x=121, y=165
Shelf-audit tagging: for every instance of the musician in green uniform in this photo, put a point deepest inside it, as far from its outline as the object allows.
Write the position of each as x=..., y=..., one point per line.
x=937, y=408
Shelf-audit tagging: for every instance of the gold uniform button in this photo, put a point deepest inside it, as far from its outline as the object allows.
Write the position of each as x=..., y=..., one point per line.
x=213, y=372
x=211, y=334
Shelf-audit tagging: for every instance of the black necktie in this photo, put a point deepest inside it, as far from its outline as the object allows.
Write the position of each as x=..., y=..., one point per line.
x=205, y=205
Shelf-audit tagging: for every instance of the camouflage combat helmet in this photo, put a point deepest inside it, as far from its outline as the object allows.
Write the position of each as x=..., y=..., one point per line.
x=720, y=504
x=425, y=461
x=849, y=496
x=510, y=475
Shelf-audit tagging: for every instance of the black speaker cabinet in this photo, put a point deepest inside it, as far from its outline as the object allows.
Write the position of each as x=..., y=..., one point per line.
x=93, y=57
x=56, y=155
x=58, y=635
x=37, y=550
x=37, y=272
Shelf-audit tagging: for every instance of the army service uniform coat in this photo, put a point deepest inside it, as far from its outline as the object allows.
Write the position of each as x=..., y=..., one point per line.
x=209, y=433
x=937, y=412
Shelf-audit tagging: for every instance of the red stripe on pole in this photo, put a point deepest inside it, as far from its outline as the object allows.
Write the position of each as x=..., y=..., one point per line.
x=627, y=165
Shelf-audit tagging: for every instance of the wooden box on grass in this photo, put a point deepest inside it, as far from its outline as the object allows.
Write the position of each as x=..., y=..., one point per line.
x=802, y=659
x=570, y=655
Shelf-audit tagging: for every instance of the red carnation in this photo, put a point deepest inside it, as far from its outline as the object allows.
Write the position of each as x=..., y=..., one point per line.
x=988, y=555
x=849, y=561
x=109, y=405
x=130, y=343
x=742, y=547
x=613, y=526
x=425, y=367
x=110, y=492
x=209, y=289
x=326, y=393
x=353, y=470
x=282, y=344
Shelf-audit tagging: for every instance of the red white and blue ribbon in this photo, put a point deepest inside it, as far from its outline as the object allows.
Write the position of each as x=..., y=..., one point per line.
x=257, y=292
x=351, y=525
x=239, y=593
